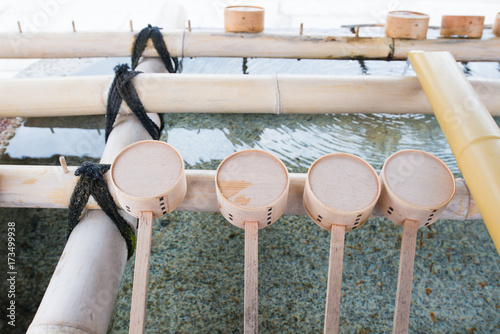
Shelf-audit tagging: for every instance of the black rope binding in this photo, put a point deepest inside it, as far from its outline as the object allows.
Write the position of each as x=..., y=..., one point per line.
x=156, y=36
x=91, y=182
x=122, y=88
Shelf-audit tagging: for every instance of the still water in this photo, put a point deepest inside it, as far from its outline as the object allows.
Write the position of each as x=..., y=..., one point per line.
x=196, y=277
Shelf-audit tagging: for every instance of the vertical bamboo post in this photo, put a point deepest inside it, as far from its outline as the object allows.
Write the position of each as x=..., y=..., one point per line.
x=83, y=289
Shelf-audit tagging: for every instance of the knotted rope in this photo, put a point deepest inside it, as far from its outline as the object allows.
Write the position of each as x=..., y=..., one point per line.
x=121, y=89
x=91, y=182
x=156, y=36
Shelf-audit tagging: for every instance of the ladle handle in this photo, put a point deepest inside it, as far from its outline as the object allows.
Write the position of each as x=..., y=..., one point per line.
x=251, y=318
x=141, y=273
x=333, y=293
x=405, y=277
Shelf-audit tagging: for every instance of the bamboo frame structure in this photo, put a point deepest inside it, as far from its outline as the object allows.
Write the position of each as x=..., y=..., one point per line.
x=50, y=187
x=194, y=93
x=183, y=43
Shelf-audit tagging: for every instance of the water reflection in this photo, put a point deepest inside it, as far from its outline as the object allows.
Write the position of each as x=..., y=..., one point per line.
x=203, y=145
x=300, y=139
x=30, y=142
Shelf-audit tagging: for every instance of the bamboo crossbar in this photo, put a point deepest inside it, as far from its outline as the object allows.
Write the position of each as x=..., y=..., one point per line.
x=219, y=44
x=199, y=93
x=49, y=187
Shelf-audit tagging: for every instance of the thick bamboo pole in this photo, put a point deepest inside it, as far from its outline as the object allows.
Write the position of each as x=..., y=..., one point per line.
x=220, y=44
x=461, y=49
x=472, y=133
x=266, y=45
x=286, y=94
x=82, y=292
x=80, y=44
x=49, y=187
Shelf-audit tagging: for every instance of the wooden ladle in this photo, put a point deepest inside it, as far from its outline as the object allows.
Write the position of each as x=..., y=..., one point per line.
x=340, y=193
x=416, y=188
x=252, y=190
x=149, y=180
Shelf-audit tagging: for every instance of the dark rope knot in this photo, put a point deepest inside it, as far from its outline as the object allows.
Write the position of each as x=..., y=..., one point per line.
x=92, y=182
x=92, y=171
x=122, y=88
x=141, y=41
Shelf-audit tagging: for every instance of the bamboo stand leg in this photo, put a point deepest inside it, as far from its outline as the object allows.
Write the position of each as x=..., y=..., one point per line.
x=251, y=318
x=405, y=277
x=141, y=273
x=333, y=295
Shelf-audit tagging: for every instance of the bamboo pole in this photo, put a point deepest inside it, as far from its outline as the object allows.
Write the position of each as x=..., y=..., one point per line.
x=295, y=46
x=285, y=94
x=82, y=292
x=219, y=44
x=461, y=49
x=49, y=187
x=472, y=133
